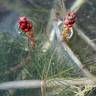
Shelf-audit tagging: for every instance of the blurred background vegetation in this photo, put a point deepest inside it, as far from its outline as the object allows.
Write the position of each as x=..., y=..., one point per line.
x=19, y=61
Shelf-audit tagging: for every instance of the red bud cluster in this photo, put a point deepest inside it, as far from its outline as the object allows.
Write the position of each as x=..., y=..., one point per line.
x=24, y=24
x=70, y=19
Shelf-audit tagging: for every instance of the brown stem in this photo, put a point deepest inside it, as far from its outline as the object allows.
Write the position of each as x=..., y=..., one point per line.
x=31, y=37
x=43, y=88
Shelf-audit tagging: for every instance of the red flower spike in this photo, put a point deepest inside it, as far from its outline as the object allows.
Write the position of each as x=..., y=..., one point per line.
x=70, y=19
x=24, y=24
